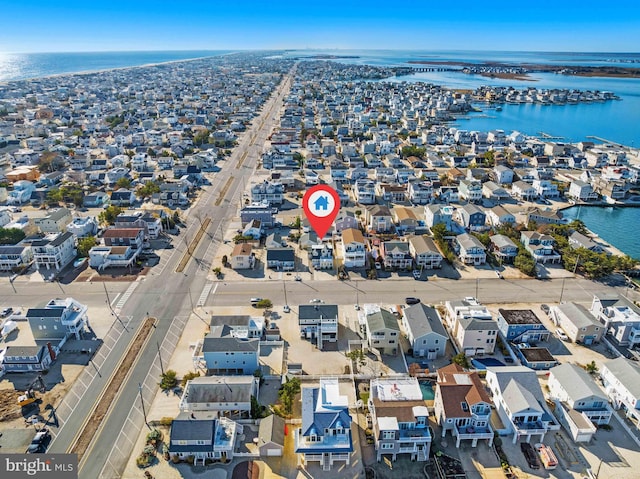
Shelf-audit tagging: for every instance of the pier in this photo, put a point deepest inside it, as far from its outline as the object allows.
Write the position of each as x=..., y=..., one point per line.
x=547, y=136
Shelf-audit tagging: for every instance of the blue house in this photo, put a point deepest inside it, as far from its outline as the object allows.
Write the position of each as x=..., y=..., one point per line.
x=225, y=352
x=521, y=326
x=321, y=203
x=325, y=435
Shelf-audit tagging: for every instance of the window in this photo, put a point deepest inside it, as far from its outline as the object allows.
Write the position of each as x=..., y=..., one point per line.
x=436, y=341
x=386, y=445
x=464, y=405
x=388, y=435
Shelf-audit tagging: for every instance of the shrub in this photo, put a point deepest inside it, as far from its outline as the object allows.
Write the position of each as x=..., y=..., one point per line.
x=169, y=379
x=264, y=303
x=166, y=421
x=154, y=437
x=188, y=377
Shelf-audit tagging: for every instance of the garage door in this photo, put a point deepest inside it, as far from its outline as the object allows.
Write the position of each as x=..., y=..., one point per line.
x=274, y=452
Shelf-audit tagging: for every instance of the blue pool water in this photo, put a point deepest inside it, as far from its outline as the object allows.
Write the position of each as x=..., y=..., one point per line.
x=482, y=363
x=427, y=390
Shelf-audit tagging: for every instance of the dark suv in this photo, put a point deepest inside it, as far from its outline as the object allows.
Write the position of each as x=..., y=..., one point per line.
x=411, y=300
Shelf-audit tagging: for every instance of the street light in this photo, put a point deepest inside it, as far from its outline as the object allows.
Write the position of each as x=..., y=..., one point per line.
x=144, y=412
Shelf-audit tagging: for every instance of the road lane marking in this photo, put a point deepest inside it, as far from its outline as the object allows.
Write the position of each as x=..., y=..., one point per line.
x=205, y=293
x=127, y=294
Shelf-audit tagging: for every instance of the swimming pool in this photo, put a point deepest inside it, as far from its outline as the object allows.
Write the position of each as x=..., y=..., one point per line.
x=427, y=390
x=482, y=363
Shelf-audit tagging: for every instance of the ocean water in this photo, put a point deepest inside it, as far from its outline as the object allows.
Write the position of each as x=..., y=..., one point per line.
x=21, y=66
x=614, y=225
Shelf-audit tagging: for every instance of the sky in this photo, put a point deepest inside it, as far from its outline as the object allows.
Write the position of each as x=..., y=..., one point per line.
x=134, y=25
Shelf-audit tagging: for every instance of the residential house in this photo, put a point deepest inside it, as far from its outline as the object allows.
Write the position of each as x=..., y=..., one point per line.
x=503, y=248
x=253, y=230
x=54, y=252
x=495, y=192
x=21, y=193
x=228, y=396
x=520, y=403
x=318, y=323
x=55, y=222
x=578, y=240
x=581, y=191
x=133, y=237
x=103, y=257
x=521, y=326
x=621, y=380
x=498, y=216
x=150, y=223
x=539, y=359
x=502, y=175
x=425, y=331
x=268, y=192
x=382, y=332
x=243, y=257
x=83, y=226
x=576, y=321
x=325, y=433
x=226, y=352
x=321, y=256
x=436, y=214
x=471, y=250
x=365, y=192
x=619, y=316
x=95, y=200
x=462, y=406
x=378, y=219
x=425, y=252
x=396, y=255
x=472, y=327
x=405, y=220
x=26, y=359
x=400, y=418
x=472, y=217
x=420, y=192
x=545, y=217
x=203, y=437
x=281, y=259
x=344, y=220
x=122, y=197
x=540, y=246
x=59, y=320
x=523, y=190
x=470, y=190
x=580, y=403
x=15, y=258
x=353, y=249
x=546, y=189
x=261, y=212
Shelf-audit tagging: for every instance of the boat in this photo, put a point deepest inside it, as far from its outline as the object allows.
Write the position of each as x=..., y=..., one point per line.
x=547, y=457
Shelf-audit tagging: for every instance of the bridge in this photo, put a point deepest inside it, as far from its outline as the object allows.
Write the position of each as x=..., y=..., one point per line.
x=400, y=71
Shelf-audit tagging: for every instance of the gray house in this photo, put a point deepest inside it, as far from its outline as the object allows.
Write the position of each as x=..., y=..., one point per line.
x=222, y=353
x=425, y=331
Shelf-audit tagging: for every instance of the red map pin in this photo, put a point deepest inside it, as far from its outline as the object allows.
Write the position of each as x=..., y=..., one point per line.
x=321, y=205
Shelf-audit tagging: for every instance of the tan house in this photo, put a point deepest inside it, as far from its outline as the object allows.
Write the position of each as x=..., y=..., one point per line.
x=425, y=252
x=353, y=249
x=54, y=222
x=243, y=257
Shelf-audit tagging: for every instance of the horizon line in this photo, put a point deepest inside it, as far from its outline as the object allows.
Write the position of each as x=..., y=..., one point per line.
x=230, y=50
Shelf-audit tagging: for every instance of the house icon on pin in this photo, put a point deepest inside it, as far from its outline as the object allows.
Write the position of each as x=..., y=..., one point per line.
x=321, y=203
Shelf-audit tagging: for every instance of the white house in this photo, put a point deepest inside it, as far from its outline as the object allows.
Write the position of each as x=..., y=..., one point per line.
x=621, y=381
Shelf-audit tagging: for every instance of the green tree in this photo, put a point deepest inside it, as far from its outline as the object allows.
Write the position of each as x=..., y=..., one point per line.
x=461, y=360
x=413, y=151
x=264, y=303
x=201, y=137
x=123, y=182
x=357, y=357
x=256, y=408
x=54, y=196
x=591, y=367
x=298, y=158
x=11, y=236
x=108, y=216
x=85, y=244
x=439, y=231
x=287, y=394
x=169, y=379
x=525, y=262
x=188, y=377
x=148, y=189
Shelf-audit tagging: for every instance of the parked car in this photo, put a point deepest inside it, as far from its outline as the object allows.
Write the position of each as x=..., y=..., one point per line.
x=286, y=308
x=39, y=442
x=411, y=300
x=6, y=312
x=545, y=309
x=562, y=335
x=530, y=455
x=316, y=301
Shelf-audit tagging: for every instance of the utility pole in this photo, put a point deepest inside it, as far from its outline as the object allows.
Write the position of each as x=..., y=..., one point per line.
x=561, y=291
x=144, y=412
x=160, y=358
x=284, y=288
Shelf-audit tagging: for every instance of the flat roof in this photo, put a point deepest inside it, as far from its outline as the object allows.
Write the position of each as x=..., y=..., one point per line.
x=519, y=316
x=537, y=355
